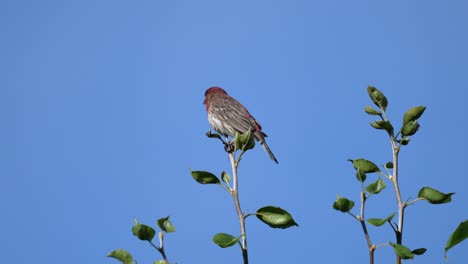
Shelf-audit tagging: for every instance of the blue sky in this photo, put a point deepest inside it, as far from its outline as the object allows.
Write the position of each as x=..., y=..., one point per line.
x=102, y=118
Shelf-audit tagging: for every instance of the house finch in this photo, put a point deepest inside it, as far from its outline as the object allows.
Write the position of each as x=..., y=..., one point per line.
x=227, y=116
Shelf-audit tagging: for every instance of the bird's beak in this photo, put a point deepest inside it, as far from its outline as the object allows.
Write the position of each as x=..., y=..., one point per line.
x=204, y=101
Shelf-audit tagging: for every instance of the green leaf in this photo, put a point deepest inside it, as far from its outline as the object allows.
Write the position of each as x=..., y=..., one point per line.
x=166, y=225
x=360, y=175
x=213, y=135
x=382, y=124
x=143, y=232
x=419, y=251
x=159, y=262
x=371, y=111
x=379, y=222
x=122, y=255
x=413, y=114
x=225, y=177
x=377, y=97
x=205, y=177
x=376, y=186
x=389, y=165
x=434, y=196
x=275, y=217
x=225, y=240
x=364, y=165
x=375, y=125
x=342, y=204
x=402, y=251
x=460, y=234
x=410, y=128
x=244, y=141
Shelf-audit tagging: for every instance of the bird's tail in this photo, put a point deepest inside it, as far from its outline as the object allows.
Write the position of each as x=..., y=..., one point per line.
x=268, y=151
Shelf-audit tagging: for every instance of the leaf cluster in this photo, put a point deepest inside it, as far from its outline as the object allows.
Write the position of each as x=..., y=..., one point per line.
x=410, y=124
x=146, y=233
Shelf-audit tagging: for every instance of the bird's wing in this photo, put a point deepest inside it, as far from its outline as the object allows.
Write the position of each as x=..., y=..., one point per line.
x=238, y=116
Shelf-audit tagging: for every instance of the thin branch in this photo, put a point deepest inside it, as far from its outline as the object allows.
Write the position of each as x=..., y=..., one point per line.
x=240, y=214
x=396, y=186
x=161, y=248
x=354, y=216
x=388, y=171
x=226, y=188
x=361, y=220
x=401, y=205
x=393, y=226
x=371, y=254
x=385, y=175
x=363, y=223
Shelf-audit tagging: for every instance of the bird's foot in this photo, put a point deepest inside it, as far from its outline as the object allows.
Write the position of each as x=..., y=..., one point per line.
x=229, y=146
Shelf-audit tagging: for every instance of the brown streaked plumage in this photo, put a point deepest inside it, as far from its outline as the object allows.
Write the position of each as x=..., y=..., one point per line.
x=227, y=116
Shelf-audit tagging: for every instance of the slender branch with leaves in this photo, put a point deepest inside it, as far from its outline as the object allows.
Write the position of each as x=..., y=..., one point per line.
x=146, y=233
x=363, y=167
x=275, y=217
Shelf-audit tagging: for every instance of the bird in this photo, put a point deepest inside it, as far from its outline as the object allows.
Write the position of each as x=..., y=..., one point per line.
x=227, y=116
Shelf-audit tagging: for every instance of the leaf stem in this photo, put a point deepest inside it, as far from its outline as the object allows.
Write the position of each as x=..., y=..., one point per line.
x=385, y=175
x=414, y=201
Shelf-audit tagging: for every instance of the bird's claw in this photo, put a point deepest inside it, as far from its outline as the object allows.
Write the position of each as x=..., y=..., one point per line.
x=228, y=147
